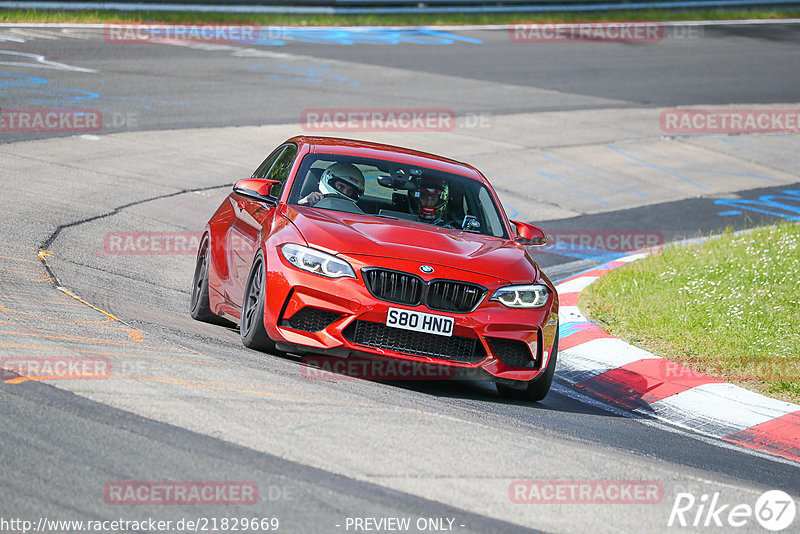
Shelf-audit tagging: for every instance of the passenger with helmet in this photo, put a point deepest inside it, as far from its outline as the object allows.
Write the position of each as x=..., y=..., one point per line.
x=429, y=201
x=343, y=180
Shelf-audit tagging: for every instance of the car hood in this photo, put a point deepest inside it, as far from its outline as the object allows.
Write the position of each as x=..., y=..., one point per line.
x=365, y=235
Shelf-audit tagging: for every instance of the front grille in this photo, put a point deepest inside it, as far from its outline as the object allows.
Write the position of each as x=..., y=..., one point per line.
x=511, y=351
x=410, y=289
x=447, y=295
x=312, y=319
x=394, y=286
x=457, y=348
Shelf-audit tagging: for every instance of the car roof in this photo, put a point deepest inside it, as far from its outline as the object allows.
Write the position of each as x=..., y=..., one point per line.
x=367, y=149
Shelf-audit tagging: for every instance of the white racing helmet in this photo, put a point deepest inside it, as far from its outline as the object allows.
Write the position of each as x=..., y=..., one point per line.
x=343, y=179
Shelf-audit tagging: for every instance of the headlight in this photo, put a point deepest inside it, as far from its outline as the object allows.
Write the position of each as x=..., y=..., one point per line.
x=531, y=296
x=316, y=261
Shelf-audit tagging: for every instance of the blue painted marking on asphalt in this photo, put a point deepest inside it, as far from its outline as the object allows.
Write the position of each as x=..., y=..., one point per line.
x=748, y=145
x=610, y=256
x=38, y=91
x=151, y=100
x=22, y=80
x=581, y=192
x=604, y=266
x=333, y=36
x=555, y=191
x=29, y=85
x=498, y=178
x=573, y=250
x=319, y=74
x=508, y=209
x=768, y=201
x=591, y=173
x=573, y=327
x=661, y=168
x=75, y=96
x=728, y=213
x=723, y=171
x=380, y=36
x=789, y=137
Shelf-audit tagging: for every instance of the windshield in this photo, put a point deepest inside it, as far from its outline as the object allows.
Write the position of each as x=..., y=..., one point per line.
x=397, y=191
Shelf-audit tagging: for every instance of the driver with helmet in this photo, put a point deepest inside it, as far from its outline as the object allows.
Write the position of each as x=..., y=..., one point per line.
x=429, y=201
x=343, y=180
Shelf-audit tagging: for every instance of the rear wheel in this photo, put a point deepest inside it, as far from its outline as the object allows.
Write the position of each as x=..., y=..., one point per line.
x=251, y=327
x=198, y=305
x=536, y=389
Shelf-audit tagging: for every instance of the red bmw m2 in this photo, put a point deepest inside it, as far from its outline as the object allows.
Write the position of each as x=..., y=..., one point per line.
x=355, y=249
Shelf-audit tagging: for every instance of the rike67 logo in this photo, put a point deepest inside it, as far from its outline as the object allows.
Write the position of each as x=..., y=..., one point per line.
x=774, y=510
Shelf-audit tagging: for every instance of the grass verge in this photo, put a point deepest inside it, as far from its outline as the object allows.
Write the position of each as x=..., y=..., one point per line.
x=427, y=19
x=729, y=308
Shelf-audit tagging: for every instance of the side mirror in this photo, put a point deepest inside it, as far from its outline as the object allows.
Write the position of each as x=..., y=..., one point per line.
x=528, y=234
x=256, y=188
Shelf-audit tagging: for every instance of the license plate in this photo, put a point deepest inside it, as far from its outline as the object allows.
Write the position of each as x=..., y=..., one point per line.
x=420, y=322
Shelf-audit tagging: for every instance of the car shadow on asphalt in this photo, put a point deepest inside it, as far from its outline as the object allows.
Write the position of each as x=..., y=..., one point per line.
x=482, y=391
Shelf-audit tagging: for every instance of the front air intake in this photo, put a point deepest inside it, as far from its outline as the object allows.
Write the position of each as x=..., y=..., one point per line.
x=378, y=335
x=512, y=352
x=311, y=319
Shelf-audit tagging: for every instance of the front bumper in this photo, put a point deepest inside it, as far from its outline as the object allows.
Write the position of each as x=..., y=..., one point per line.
x=340, y=317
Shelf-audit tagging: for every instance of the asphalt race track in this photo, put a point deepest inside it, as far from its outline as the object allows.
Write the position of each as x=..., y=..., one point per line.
x=569, y=134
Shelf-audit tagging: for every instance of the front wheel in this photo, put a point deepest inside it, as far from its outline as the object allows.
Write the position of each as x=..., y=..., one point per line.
x=536, y=389
x=251, y=327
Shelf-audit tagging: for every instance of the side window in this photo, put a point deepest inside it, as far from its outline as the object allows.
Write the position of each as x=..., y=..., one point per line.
x=494, y=226
x=280, y=170
x=264, y=168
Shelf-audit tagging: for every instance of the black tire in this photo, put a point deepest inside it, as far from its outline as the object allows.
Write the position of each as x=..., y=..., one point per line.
x=537, y=389
x=251, y=325
x=198, y=305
